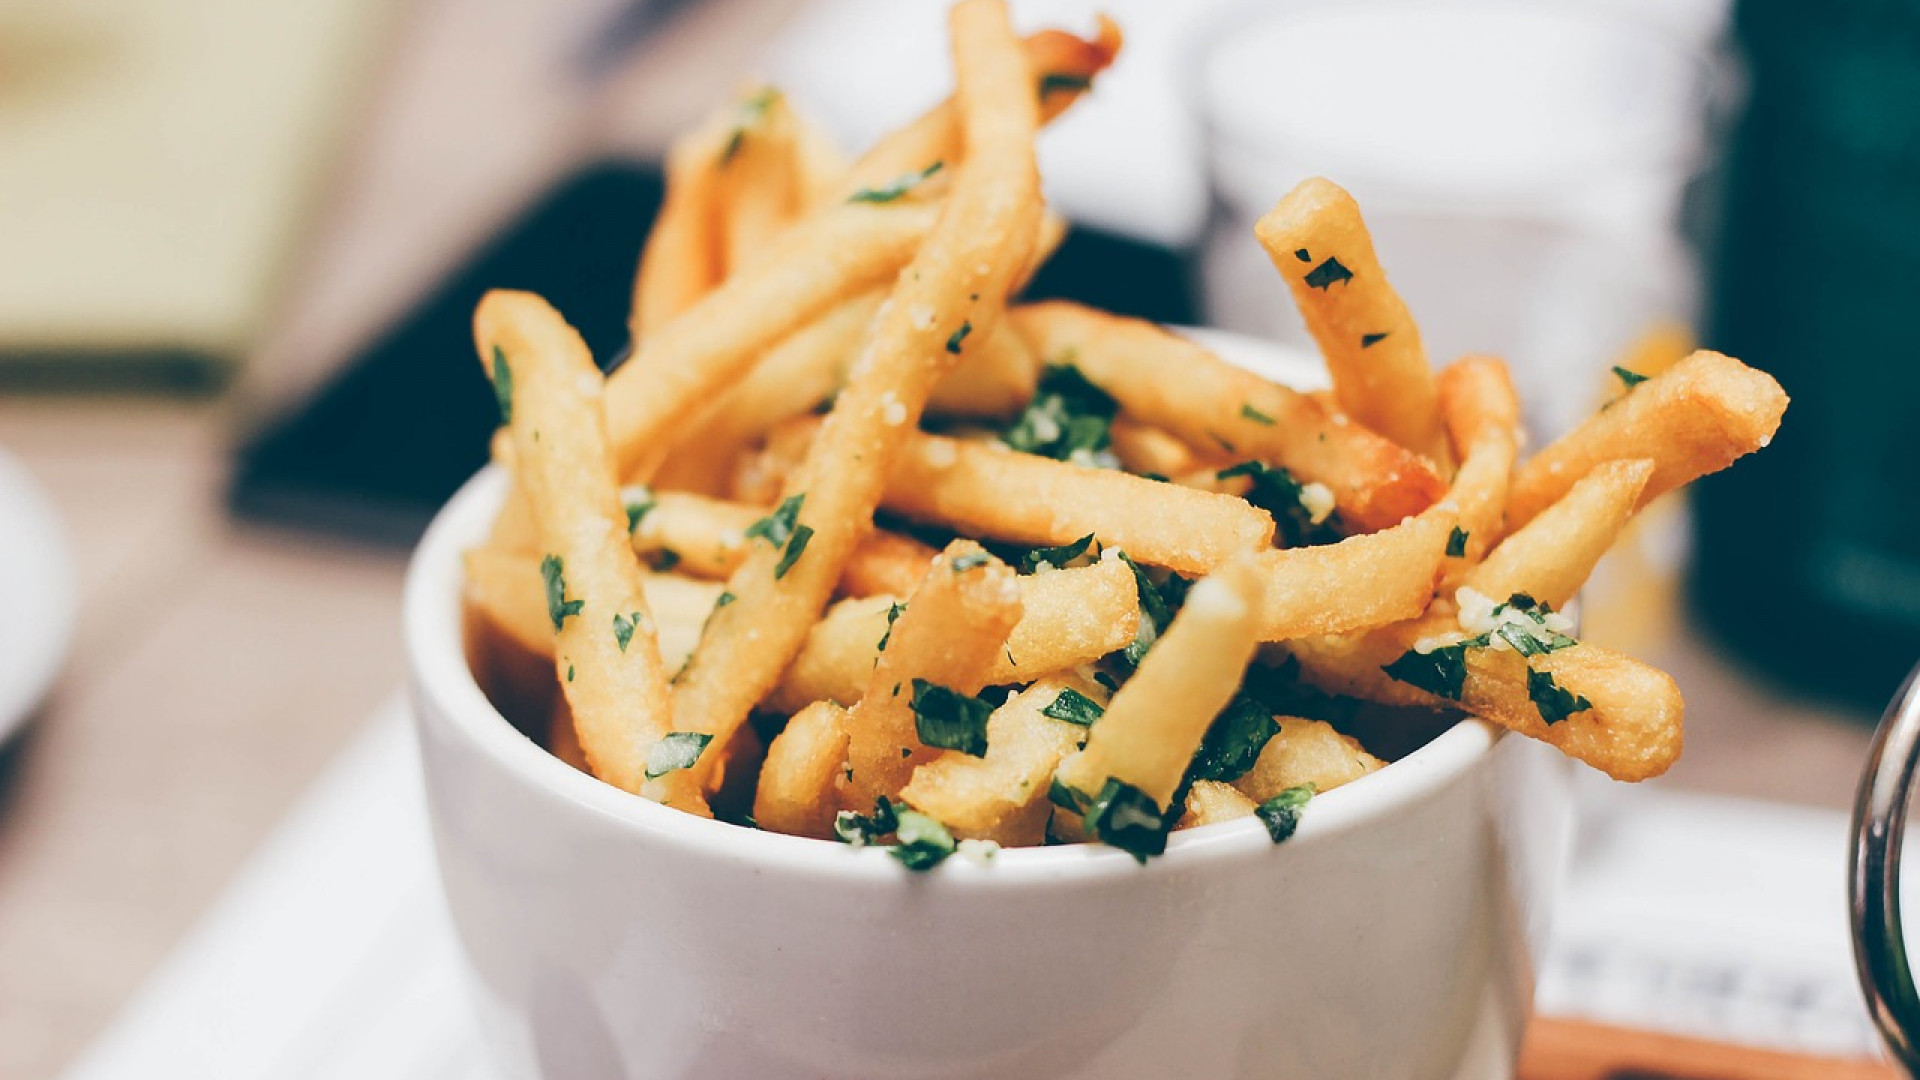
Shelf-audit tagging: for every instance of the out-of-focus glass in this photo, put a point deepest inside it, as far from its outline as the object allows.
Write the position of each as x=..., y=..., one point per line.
x=1524, y=170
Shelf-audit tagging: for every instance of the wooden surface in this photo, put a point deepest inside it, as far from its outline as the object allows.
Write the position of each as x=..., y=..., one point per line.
x=218, y=666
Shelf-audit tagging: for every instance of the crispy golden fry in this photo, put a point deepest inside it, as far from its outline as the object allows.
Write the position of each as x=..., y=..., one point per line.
x=804, y=764
x=1210, y=802
x=1630, y=729
x=1144, y=449
x=948, y=635
x=1694, y=419
x=1477, y=403
x=1380, y=375
x=950, y=291
x=1069, y=618
x=985, y=490
x=991, y=382
x=1306, y=752
x=759, y=178
x=1482, y=413
x=505, y=588
x=1003, y=796
x=1176, y=385
x=613, y=679
x=1155, y=723
x=682, y=259
x=1062, y=68
x=885, y=564
x=674, y=381
x=1363, y=581
x=1551, y=556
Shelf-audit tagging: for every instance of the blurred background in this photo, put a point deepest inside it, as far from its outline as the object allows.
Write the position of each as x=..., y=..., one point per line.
x=240, y=242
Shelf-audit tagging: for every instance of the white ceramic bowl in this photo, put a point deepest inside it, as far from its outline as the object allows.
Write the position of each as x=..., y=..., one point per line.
x=1393, y=936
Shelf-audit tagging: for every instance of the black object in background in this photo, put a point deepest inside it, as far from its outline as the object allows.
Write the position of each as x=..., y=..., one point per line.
x=1809, y=552
x=379, y=448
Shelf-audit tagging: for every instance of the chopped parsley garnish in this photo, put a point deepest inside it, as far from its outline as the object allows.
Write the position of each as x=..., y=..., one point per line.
x=1554, y=701
x=1628, y=377
x=777, y=528
x=676, y=750
x=1070, y=799
x=1368, y=341
x=569, y=672
x=860, y=829
x=503, y=385
x=1276, y=491
x=1069, y=418
x=1123, y=816
x=1074, y=707
x=893, y=612
x=896, y=187
x=1529, y=634
x=1249, y=412
x=1281, y=814
x=752, y=112
x=795, y=547
x=624, y=626
x=949, y=719
x=958, y=336
x=1234, y=740
x=923, y=844
x=1158, y=603
x=1327, y=274
x=1060, y=82
x=1441, y=671
x=640, y=502
x=1456, y=543
x=663, y=560
x=1112, y=684
x=723, y=600
x=1054, y=558
x=968, y=561
x=1302, y=255
x=558, y=606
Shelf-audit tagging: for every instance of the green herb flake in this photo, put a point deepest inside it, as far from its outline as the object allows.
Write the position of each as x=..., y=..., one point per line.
x=558, y=606
x=949, y=719
x=1441, y=671
x=893, y=613
x=1275, y=490
x=723, y=600
x=1628, y=377
x=1069, y=419
x=1457, y=543
x=503, y=385
x=1070, y=799
x=1122, y=816
x=923, y=844
x=1328, y=274
x=777, y=528
x=569, y=672
x=1368, y=341
x=676, y=750
x=958, y=336
x=1249, y=412
x=1302, y=255
x=796, y=545
x=753, y=112
x=1234, y=740
x=862, y=829
x=896, y=187
x=664, y=560
x=970, y=560
x=1554, y=701
x=1281, y=814
x=1074, y=707
x=1060, y=82
x=624, y=626
x=1054, y=558
x=639, y=502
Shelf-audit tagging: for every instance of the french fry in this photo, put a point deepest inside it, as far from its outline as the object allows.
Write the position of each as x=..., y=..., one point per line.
x=1306, y=752
x=1482, y=414
x=759, y=178
x=614, y=681
x=986, y=490
x=708, y=538
x=505, y=588
x=1002, y=796
x=1179, y=386
x=796, y=793
x=1149, y=450
x=1696, y=418
x=1155, y=723
x=1210, y=802
x=1319, y=244
x=953, y=626
x=1550, y=557
x=682, y=259
x=1068, y=618
x=992, y=382
x=1630, y=729
x=885, y=563
x=562, y=741
x=1062, y=67
x=1363, y=581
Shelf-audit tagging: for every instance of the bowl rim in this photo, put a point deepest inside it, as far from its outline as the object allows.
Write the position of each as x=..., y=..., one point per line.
x=445, y=690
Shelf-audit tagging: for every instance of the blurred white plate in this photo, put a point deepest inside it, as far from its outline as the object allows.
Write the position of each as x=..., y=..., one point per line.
x=39, y=596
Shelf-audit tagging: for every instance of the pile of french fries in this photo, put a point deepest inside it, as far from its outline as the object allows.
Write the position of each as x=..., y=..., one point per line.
x=857, y=546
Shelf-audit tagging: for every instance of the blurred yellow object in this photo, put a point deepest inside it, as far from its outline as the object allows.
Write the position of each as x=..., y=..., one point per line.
x=1632, y=602
x=159, y=158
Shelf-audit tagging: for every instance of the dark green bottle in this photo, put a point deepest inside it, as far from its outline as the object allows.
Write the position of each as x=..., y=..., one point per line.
x=1808, y=556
